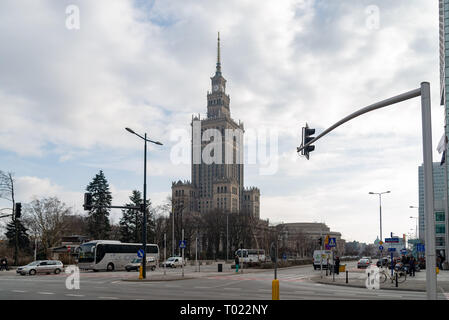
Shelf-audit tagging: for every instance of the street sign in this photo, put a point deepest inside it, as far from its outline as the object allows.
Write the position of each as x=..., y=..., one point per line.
x=403, y=251
x=391, y=249
x=381, y=248
x=381, y=242
x=182, y=244
x=140, y=253
x=420, y=247
x=392, y=240
x=332, y=242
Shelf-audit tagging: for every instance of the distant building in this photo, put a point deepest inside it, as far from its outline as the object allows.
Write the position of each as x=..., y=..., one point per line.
x=302, y=238
x=218, y=184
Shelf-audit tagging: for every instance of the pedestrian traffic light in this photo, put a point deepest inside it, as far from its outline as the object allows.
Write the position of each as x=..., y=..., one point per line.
x=87, y=201
x=18, y=211
x=306, y=138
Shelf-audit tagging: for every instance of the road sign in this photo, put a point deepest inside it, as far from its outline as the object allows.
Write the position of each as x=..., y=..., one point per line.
x=403, y=251
x=332, y=242
x=381, y=242
x=182, y=244
x=381, y=248
x=140, y=253
x=420, y=247
x=391, y=249
x=392, y=240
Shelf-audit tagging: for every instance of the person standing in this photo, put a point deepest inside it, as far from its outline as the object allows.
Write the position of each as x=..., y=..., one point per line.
x=4, y=264
x=337, y=265
x=412, y=266
x=236, y=260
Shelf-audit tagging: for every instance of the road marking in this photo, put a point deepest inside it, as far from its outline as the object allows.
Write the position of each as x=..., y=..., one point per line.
x=114, y=298
x=232, y=288
x=45, y=293
x=19, y=291
x=75, y=295
x=202, y=287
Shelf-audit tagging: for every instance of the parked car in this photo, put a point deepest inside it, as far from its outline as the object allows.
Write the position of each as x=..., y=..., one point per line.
x=135, y=264
x=41, y=266
x=173, y=262
x=363, y=263
x=385, y=262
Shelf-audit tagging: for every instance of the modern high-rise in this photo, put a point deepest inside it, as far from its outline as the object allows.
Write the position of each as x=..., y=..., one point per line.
x=444, y=101
x=217, y=159
x=439, y=206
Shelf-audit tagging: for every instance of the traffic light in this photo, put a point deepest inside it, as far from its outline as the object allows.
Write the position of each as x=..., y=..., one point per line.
x=18, y=211
x=87, y=201
x=320, y=241
x=306, y=138
x=273, y=252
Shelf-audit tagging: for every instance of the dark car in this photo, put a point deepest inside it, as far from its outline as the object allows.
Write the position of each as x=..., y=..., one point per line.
x=384, y=261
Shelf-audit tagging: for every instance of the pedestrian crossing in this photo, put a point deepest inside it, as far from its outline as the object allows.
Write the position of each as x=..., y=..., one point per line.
x=260, y=277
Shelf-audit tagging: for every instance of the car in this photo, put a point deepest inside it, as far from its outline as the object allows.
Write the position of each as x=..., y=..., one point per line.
x=136, y=263
x=41, y=266
x=363, y=263
x=385, y=262
x=173, y=262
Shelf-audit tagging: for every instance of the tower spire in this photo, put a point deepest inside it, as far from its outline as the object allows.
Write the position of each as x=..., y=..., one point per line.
x=218, y=55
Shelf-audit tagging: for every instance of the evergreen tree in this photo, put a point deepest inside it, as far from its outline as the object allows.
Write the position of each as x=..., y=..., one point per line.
x=23, y=238
x=131, y=222
x=98, y=224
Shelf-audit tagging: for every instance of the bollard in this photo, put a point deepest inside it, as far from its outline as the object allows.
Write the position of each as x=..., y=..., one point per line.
x=140, y=273
x=326, y=271
x=275, y=289
x=396, y=279
x=346, y=276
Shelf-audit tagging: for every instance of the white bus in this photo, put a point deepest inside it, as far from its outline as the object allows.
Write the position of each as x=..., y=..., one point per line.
x=251, y=255
x=111, y=255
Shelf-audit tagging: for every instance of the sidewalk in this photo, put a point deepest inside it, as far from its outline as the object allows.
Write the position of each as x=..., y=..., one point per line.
x=358, y=279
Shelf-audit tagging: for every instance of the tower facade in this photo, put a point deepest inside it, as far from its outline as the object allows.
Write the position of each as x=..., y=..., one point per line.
x=217, y=159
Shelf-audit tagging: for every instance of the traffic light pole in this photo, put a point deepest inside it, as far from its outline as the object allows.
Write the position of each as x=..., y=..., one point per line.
x=424, y=92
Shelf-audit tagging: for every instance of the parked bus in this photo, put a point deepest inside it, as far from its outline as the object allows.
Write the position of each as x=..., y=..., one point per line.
x=111, y=255
x=251, y=255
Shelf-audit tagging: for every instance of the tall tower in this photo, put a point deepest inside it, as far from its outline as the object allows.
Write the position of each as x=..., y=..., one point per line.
x=217, y=158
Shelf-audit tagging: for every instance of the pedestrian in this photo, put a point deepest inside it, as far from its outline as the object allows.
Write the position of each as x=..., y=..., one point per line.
x=412, y=266
x=337, y=265
x=236, y=260
x=4, y=264
x=439, y=261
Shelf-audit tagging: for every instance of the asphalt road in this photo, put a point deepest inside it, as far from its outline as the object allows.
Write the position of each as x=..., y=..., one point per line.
x=294, y=285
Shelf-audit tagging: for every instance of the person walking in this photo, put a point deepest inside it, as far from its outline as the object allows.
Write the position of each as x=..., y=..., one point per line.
x=337, y=265
x=236, y=260
x=4, y=264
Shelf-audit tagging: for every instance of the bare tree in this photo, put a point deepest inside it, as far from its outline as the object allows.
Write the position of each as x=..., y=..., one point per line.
x=46, y=218
x=7, y=193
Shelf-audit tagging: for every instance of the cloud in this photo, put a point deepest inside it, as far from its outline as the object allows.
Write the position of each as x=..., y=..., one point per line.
x=146, y=65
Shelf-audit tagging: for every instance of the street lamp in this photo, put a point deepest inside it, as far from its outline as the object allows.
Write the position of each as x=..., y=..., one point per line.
x=144, y=207
x=380, y=208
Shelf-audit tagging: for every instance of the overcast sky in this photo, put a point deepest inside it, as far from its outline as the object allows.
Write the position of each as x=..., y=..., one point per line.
x=66, y=95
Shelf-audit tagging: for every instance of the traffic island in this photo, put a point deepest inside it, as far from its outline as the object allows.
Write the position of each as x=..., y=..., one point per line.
x=152, y=278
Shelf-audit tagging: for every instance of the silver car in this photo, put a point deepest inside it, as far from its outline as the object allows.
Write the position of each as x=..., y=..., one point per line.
x=41, y=266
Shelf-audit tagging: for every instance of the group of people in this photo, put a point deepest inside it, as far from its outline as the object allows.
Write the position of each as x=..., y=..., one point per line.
x=3, y=264
x=410, y=262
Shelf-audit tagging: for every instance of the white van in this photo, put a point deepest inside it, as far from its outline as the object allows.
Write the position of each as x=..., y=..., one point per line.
x=318, y=255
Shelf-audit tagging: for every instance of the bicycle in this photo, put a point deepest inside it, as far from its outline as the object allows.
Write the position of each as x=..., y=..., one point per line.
x=384, y=275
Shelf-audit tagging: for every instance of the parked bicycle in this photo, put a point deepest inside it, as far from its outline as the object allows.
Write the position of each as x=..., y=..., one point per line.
x=385, y=274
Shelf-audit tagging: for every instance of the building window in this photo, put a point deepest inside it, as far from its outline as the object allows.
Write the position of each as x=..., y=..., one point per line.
x=440, y=228
x=439, y=216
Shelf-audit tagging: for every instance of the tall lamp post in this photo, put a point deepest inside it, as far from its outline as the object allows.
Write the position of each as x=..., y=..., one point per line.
x=144, y=207
x=380, y=208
